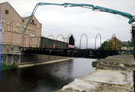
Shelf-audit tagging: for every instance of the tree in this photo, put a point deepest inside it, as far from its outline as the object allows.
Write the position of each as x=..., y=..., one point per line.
x=105, y=46
x=111, y=44
x=131, y=43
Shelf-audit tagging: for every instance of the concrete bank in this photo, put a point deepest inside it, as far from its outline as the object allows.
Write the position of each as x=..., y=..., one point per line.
x=19, y=58
x=29, y=60
x=23, y=65
x=113, y=74
x=26, y=58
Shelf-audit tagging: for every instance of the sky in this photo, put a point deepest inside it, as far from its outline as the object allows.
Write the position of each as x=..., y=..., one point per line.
x=77, y=21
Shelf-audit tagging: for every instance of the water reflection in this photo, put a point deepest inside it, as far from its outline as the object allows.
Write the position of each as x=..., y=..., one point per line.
x=45, y=78
x=82, y=67
x=9, y=82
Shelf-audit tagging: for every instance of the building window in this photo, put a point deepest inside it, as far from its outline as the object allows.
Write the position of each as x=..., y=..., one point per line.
x=6, y=12
x=1, y=30
x=32, y=35
x=32, y=22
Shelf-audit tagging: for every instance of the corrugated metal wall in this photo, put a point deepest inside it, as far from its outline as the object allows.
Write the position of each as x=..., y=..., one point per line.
x=50, y=43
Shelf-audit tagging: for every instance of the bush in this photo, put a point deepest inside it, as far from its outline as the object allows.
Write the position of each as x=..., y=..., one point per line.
x=9, y=67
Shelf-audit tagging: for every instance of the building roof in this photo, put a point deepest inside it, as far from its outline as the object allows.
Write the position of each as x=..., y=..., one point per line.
x=33, y=16
x=11, y=7
x=125, y=43
x=42, y=37
x=17, y=12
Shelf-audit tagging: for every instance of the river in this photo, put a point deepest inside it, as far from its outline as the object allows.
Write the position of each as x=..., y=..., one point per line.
x=45, y=78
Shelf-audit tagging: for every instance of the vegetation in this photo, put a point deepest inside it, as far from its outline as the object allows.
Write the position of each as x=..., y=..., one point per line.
x=111, y=44
x=131, y=44
x=9, y=67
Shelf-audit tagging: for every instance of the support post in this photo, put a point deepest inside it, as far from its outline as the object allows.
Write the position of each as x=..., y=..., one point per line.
x=6, y=59
x=19, y=62
x=133, y=38
x=0, y=62
x=12, y=60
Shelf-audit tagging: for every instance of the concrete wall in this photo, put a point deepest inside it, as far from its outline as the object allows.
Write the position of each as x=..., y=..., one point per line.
x=39, y=58
x=25, y=59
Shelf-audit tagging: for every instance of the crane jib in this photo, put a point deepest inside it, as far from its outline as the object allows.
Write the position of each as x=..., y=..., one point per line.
x=89, y=6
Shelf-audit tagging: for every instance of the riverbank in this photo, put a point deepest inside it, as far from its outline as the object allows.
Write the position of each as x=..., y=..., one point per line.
x=113, y=74
x=45, y=78
x=23, y=65
x=14, y=61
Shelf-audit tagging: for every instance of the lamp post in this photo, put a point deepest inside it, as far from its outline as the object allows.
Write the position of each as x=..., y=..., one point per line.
x=133, y=37
x=0, y=45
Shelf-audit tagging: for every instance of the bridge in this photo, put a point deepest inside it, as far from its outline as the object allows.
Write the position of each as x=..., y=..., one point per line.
x=70, y=52
x=78, y=52
x=64, y=49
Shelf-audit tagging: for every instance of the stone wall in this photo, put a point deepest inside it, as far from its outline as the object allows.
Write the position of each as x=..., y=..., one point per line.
x=39, y=58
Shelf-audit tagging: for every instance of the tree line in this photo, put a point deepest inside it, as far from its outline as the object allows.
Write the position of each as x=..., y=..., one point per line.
x=113, y=44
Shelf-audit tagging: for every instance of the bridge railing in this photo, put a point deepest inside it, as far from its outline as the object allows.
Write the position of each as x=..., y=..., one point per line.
x=86, y=53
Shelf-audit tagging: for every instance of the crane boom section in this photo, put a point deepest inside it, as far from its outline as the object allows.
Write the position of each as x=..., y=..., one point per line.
x=89, y=6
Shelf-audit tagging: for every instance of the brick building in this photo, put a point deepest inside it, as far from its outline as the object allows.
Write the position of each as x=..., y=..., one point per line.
x=11, y=28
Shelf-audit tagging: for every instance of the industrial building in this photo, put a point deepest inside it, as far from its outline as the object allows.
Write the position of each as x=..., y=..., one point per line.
x=52, y=43
x=12, y=25
x=11, y=31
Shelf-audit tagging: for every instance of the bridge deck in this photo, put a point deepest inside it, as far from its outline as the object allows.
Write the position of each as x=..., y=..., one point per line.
x=86, y=53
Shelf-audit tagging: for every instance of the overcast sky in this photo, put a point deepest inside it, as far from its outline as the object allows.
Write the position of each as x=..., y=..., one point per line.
x=59, y=20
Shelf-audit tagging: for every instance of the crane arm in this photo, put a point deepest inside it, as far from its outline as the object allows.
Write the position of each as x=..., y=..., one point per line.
x=124, y=14
x=89, y=6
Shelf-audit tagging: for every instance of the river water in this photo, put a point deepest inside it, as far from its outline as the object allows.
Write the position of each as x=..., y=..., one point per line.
x=45, y=78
